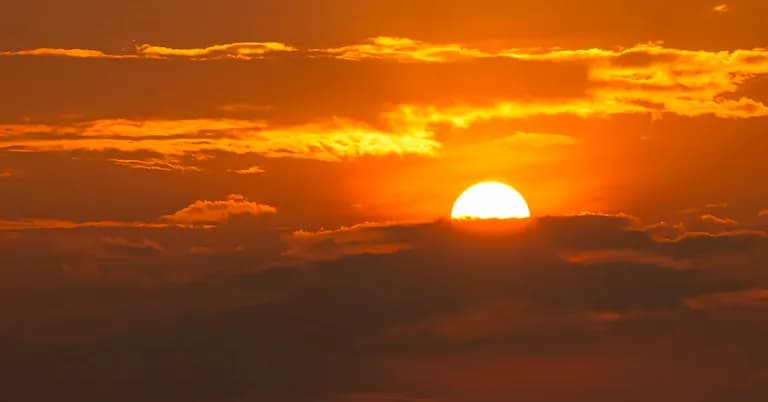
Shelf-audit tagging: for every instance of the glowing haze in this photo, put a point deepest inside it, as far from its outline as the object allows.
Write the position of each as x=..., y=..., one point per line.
x=284, y=201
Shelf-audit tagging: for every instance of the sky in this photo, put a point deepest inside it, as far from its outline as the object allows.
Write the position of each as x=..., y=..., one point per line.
x=249, y=201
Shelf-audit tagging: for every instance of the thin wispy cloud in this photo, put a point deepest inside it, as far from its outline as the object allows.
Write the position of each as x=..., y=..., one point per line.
x=718, y=220
x=248, y=171
x=328, y=141
x=167, y=164
x=234, y=51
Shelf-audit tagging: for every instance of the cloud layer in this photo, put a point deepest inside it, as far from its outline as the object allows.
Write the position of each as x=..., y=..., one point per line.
x=646, y=78
x=330, y=141
x=400, y=320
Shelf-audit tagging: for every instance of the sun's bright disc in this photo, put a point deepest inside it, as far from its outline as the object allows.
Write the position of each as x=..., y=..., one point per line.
x=490, y=200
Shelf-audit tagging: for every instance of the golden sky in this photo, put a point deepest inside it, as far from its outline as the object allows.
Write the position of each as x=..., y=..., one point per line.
x=239, y=201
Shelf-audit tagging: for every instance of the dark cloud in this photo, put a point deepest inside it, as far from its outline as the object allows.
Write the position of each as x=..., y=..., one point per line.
x=702, y=244
x=405, y=322
x=120, y=244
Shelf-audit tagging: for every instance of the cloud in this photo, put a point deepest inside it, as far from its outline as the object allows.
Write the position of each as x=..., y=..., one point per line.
x=602, y=102
x=134, y=130
x=498, y=318
x=619, y=234
x=76, y=53
x=722, y=8
x=35, y=224
x=588, y=238
x=464, y=116
x=365, y=238
x=718, y=220
x=212, y=212
x=121, y=244
x=694, y=244
x=7, y=173
x=329, y=141
x=645, y=78
x=248, y=171
x=750, y=298
x=593, y=231
x=166, y=164
x=235, y=51
x=640, y=257
x=763, y=213
x=490, y=306
x=403, y=50
x=201, y=214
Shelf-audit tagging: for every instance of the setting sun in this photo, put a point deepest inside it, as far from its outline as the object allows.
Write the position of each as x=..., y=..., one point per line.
x=490, y=200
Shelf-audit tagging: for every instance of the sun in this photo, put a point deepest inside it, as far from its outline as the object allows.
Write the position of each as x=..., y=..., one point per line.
x=490, y=200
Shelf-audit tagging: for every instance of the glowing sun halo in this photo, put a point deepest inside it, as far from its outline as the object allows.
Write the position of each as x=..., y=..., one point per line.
x=490, y=200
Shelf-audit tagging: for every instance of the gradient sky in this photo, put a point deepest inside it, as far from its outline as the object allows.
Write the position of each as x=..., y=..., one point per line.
x=240, y=201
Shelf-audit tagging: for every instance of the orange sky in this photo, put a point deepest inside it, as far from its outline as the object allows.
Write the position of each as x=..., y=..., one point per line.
x=170, y=159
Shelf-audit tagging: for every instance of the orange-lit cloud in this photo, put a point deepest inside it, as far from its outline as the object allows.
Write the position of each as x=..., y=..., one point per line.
x=364, y=238
x=211, y=212
x=625, y=256
x=403, y=50
x=7, y=173
x=745, y=298
x=201, y=214
x=600, y=104
x=167, y=164
x=646, y=78
x=718, y=220
x=76, y=53
x=250, y=170
x=31, y=224
x=330, y=141
x=407, y=130
x=135, y=130
x=238, y=51
x=722, y=8
x=763, y=213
